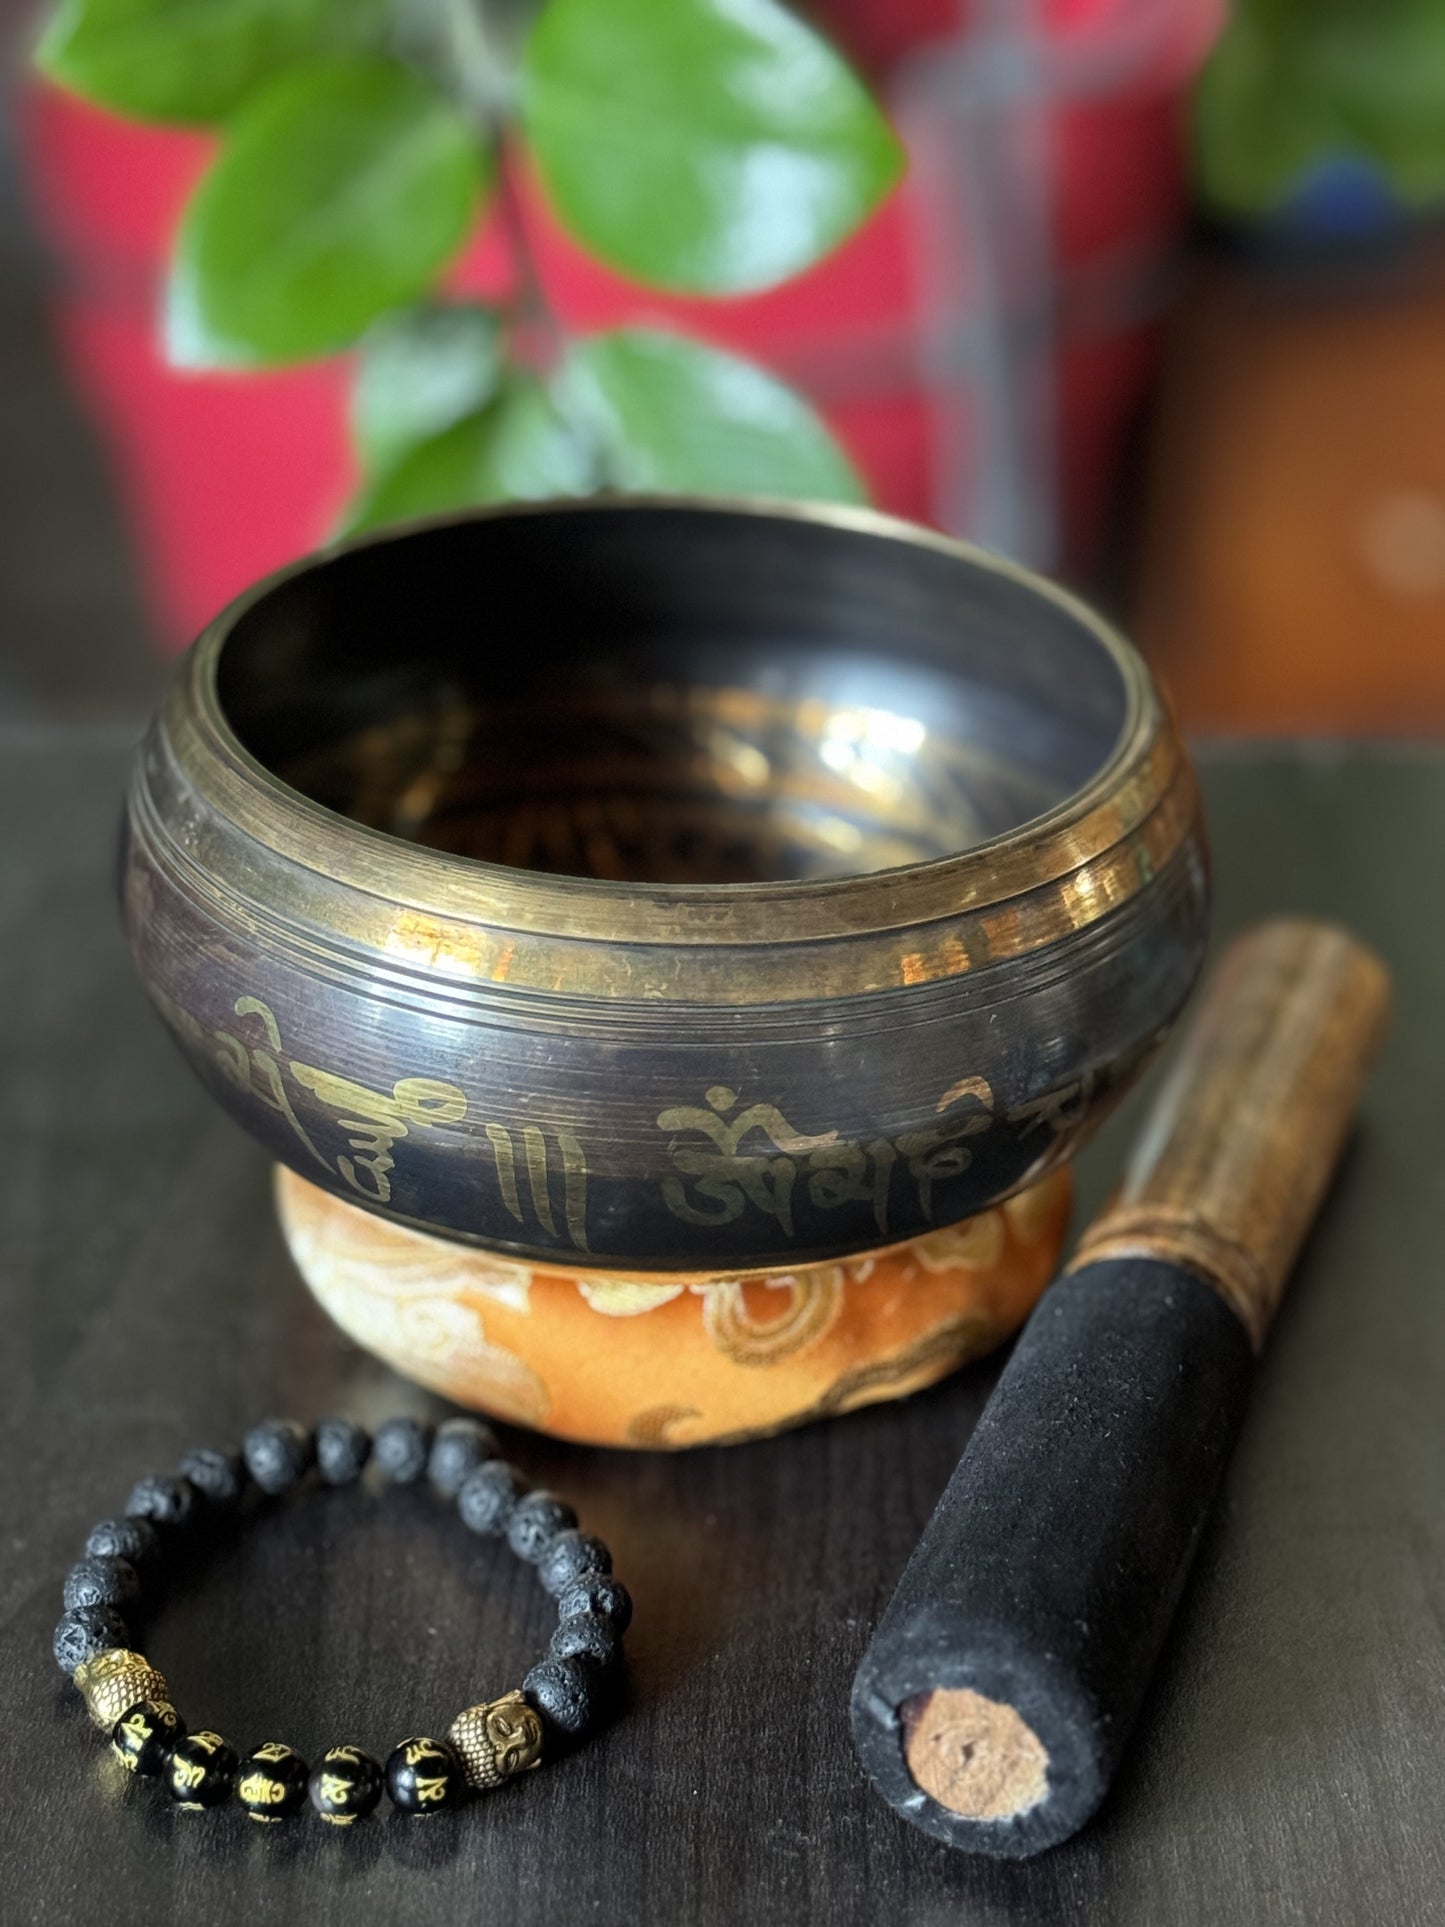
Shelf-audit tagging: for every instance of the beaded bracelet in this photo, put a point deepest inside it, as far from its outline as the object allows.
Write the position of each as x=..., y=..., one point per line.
x=560, y=1699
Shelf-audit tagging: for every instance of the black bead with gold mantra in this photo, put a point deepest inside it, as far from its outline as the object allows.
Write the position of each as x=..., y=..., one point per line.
x=425, y=1776
x=345, y=1785
x=561, y=1699
x=201, y=1771
x=144, y=1735
x=272, y=1781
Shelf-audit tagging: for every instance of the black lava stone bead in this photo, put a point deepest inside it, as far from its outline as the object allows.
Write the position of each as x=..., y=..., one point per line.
x=271, y=1782
x=219, y=1477
x=425, y=1776
x=201, y=1771
x=588, y=1636
x=571, y=1554
x=460, y=1446
x=536, y=1522
x=345, y=1785
x=568, y=1694
x=165, y=1502
x=85, y=1632
x=100, y=1582
x=489, y=1496
x=342, y=1449
x=401, y=1448
x=129, y=1539
x=277, y=1453
x=597, y=1592
x=144, y=1735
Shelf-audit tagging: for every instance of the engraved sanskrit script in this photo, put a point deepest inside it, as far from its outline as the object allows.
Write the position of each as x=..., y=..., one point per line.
x=541, y=1178
x=374, y=1121
x=727, y=1161
x=525, y=1181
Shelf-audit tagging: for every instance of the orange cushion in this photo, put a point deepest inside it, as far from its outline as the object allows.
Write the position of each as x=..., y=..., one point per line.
x=656, y=1360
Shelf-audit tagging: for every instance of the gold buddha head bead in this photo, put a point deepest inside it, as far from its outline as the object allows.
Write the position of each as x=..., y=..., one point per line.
x=497, y=1739
x=114, y=1680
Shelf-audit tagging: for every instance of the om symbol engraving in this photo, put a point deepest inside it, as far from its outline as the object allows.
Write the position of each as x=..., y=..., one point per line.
x=755, y=1159
x=725, y=1175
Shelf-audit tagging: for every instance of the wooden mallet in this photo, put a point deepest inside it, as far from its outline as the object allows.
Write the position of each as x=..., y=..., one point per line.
x=994, y=1702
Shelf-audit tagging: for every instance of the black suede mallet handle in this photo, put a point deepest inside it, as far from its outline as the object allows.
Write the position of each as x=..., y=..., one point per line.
x=994, y=1702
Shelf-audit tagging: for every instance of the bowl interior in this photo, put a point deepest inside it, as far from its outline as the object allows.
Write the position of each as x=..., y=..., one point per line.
x=672, y=695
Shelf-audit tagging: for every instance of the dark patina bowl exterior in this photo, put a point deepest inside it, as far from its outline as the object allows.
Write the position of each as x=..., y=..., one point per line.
x=684, y=887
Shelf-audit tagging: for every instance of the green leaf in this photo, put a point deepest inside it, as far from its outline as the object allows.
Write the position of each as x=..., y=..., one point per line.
x=518, y=448
x=420, y=372
x=1292, y=83
x=193, y=60
x=341, y=191
x=713, y=146
x=1248, y=153
x=675, y=414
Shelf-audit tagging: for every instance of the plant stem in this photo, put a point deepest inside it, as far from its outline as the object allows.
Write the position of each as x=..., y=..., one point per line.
x=481, y=84
x=541, y=325
x=483, y=87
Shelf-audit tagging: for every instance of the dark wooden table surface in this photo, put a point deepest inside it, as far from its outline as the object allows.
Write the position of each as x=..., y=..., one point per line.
x=1291, y=1762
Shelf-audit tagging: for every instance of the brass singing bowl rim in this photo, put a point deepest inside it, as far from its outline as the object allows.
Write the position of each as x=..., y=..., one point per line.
x=1135, y=778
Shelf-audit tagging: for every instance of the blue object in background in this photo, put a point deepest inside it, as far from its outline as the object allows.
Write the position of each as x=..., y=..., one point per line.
x=1344, y=197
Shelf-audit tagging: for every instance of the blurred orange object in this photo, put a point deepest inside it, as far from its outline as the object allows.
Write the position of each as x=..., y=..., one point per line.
x=661, y=1361
x=1294, y=552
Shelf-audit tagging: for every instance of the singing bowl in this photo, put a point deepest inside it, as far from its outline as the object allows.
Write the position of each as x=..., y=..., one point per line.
x=689, y=886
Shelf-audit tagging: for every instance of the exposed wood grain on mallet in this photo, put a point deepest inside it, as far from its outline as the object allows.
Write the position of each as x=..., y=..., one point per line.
x=973, y=1755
